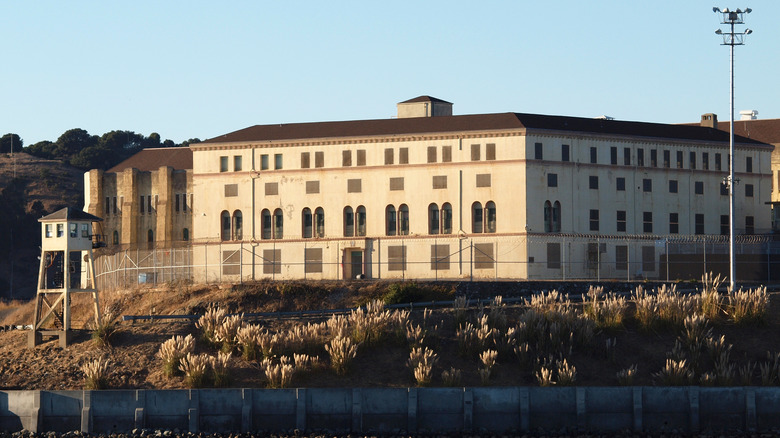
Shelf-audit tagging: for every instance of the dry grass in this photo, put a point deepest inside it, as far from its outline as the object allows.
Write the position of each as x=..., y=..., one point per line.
x=95, y=373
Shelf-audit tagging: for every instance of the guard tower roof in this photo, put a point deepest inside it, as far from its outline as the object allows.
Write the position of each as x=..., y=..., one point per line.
x=69, y=213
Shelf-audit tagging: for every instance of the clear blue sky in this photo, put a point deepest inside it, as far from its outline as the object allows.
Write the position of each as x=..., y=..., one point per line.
x=200, y=69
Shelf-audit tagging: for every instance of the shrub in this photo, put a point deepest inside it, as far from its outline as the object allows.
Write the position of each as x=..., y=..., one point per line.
x=279, y=375
x=488, y=359
x=194, y=367
x=748, y=306
x=220, y=366
x=406, y=292
x=95, y=373
x=227, y=331
x=567, y=374
x=674, y=373
x=746, y=373
x=459, y=306
x=172, y=351
x=451, y=377
x=421, y=362
x=415, y=335
x=626, y=376
x=342, y=351
x=209, y=322
x=248, y=338
x=711, y=305
x=606, y=313
x=497, y=316
x=545, y=377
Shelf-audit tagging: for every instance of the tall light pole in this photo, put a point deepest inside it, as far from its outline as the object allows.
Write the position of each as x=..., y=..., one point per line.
x=731, y=39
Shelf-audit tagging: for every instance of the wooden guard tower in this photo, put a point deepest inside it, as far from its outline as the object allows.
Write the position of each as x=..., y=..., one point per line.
x=66, y=267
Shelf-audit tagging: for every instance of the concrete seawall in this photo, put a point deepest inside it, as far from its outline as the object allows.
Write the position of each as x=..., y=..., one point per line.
x=396, y=410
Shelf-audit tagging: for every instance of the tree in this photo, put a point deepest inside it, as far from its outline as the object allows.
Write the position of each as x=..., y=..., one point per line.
x=72, y=141
x=190, y=141
x=42, y=149
x=9, y=140
x=94, y=157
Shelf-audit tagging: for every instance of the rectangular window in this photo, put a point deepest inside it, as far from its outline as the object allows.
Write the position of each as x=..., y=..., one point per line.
x=184, y=202
x=593, y=182
x=538, y=151
x=271, y=189
x=60, y=230
x=674, y=223
x=724, y=189
x=272, y=261
x=475, y=152
x=627, y=156
x=319, y=159
x=48, y=230
x=396, y=258
x=672, y=186
x=621, y=258
x=749, y=164
x=749, y=226
x=312, y=260
x=648, y=258
x=446, y=154
x=223, y=164
x=552, y=180
x=593, y=155
x=346, y=158
x=748, y=190
x=724, y=224
x=389, y=154
x=440, y=257
x=403, y=155
x=621, y=221
x=699, y=223
x=718, y=163
x=85, y=231
x=667, y=159
x=361, y=157
x=483, y=180
x=107, y=208
x=647, y=185
x=640, y=157
x=679, y=159
x=440, y=181
x=705, y=161
x=354, y=185
x=396, y=184
x=692, y=160
x=237, y=163
x=305, y=160
x=483, y=256
x=231, y=263
x=73, y=230
x=490, y=152
x=312, y=187
x=647, y=221
x=264, y=162
x=231, y=190
x=564, y=152
x=698, y=187
x=431, y=154
x=613, y=155
x=553, y=256
x=653, y=157
x=142, y=204
x=594, y=220
x=114, y=209
x=620, y=184
x=277, y=161
x=149, y=203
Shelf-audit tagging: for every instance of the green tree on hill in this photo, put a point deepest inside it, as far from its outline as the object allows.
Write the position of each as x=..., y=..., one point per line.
x=9, y=141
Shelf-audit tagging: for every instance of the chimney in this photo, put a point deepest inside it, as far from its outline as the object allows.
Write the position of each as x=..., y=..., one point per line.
x=709, y=120
x=748, y=115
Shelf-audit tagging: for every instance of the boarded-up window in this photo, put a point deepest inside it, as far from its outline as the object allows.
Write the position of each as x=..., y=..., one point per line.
x=319, y=159
x=403, y=156
x=440, y=257
x=553, y=256
x=483, y=180
x=396, y=258
x=483, y=256
x=490, y=151
x=431, y=154
x=305, y=160
x=475, y=152
x=389, y=156
x=354, y=185
x=346, y=158
x=361, y=157
x=397, y=183
x=312, y=187
x=313, y=262
x=446, y=154
x=440, y=182
x=648, y=258
x=271, y=189
x=231, y=190
x=272, y=261
x=621, y=258
x=231, y=263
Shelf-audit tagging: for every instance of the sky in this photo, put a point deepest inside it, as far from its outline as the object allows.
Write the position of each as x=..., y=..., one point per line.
x=199, y=69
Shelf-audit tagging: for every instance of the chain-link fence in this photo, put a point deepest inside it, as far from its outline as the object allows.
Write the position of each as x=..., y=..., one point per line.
x=482, y=257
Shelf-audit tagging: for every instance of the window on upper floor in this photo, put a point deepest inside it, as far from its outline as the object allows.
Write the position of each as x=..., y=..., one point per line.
x=305, y=160
x=647, y=221
x=718, y=163
x=237, y=163
x=319, y=159
x=679, y=159
x=593, y=155
x=674, y=223
x=647, y=185
x=667, y=159
x=306, y=223
x=748, y=190
x=593, y=182
x=749, y=164
x=705, y=161
x=223, y=164
x=446, y=154
x=431, y=154
x=653, y=157
x=403, y=155
x=389, y=155
x=620, y=184
x=264, y=162
x=692, y=160
x=552, y=180
x=613, y=155
x=361, y=157
x=360, y=221
x=490, y=217
x=278, y=161
x=346, y=158
x=672, y=186
x=490, y=151
x=749, y=225
x=699, y=223
x=698, y=187
x=640, y=157
x=476, y=217
x=627, y=156
x=475, y=152
x=538, y=151
x=594, y=220
x=621, y=221
x=564, y=152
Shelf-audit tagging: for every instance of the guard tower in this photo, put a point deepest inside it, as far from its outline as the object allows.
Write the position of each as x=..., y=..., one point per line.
x=67, y=267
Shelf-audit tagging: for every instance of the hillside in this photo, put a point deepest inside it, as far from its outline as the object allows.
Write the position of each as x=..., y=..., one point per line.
x=382, y=361
x=41, y=187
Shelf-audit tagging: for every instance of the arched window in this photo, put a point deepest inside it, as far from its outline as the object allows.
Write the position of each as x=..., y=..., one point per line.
x=390, y=220
x=360, y=215
x=490, y=217
x=556, y=217
x=225, y=227
x=433, y=219
x=278, y=224
x=185, y=234
x=265, y=224
x=446, y=219
x=476, y=217
x=116, y=237
x=238, y=225
x=306, y=220
x=403, y=220
x=349, y=222
x=547, y=217
x=319, y=222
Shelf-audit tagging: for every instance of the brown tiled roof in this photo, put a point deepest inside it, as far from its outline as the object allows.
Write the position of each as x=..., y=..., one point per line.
x=767, y=131
x=152, y=159
x=425, y=99
x=466, y=123
x=69, y=213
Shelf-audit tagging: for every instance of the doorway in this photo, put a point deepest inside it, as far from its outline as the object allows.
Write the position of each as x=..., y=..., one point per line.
x=353, y=264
